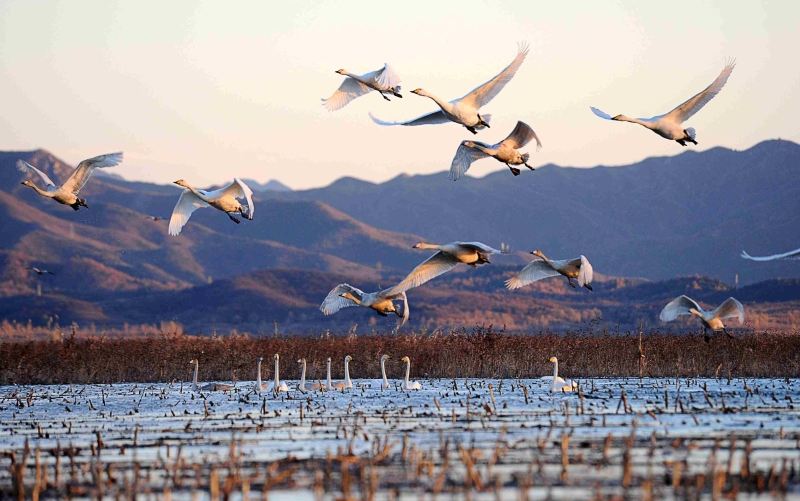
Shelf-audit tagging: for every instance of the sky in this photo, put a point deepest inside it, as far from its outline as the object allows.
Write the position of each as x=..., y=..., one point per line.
x=207, y=90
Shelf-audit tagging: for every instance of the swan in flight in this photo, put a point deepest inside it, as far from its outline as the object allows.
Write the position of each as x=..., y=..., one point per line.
x=38, y=271
x=385, y=383
x=207, y=387
x=344, y=295
x=669, y=125
x=545, y=268
x=406, y=384
x=712, y=320
x=447, y=258
x=505, y=151
x=466, y=111
x=795, y=254
x=223, y=199
x=384, y=80
x=67, y=193
x=559, y=385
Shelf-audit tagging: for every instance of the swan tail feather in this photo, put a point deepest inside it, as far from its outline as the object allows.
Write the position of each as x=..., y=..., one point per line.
x=525, y=157
x=691, y=132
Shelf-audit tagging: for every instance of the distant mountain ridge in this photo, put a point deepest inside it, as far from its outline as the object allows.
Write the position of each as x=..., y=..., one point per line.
x=664, y=217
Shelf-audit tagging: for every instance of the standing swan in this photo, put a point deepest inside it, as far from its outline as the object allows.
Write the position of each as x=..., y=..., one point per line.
x=279, y=387
x=346, y=384
x=259, y=386
x=559, y=385
x=684, y=305
x=210, y=386
x=447, y=258
x=302, y=386
x=795, y=254
x=406, y=384
x=505, y=151
x=223, y=199
x=545, y=268
x=67, y=194
x=466, y=111
x=385, y=383
x=384, y=80
x=344, y=295
x=669, y=125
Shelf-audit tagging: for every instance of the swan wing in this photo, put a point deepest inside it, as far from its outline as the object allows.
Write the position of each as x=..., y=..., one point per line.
x=432, y=267
x=482, y=95
x=78, y=178
x=586, y=273
x=480, y=247
x=729, y=309
x=520, y=136
x=678, y=306
x=387, y=78
x=600, y=113
x=693, y=105
x=187, y=203
x=349, y=90
x=432, y=118
x=535, y=270
x=334, y=301
x=795, y=254
x=463, y=159
x=24, y=166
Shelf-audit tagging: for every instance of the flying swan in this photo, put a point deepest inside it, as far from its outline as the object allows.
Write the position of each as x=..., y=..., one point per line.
x=67, y=193
x=559, y=385
x=795, y=254
x=384, y=80
x=207, y=387
x=545, y=268
x=466, y=111
x=344, y=295
x=712, y=320
x=406, y=384
x=505, y=151
x=223, y=199
x=669, y=125
x=447, y=258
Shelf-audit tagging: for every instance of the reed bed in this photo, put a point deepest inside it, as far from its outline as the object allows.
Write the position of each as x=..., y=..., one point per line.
x=477, y=353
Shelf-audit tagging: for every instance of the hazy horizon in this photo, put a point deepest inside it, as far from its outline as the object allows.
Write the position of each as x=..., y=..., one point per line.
x=209, y=91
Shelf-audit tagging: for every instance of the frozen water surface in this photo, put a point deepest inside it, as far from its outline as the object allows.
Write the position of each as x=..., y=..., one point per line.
x=512, y=439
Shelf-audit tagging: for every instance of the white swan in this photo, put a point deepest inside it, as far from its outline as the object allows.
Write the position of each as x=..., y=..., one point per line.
x=669, y=125
x=39, y=271
x=466, y=111
x=302, y=386
x=385, y=383
x=344, y=295
x=384, y=80
x=67, y=193
x=329, y=386
x=279, y=386
x=207, y=387
x=579, y=268
x=406, y=384
x=795, y=254
x=559, y=385
x=505, y=151
x=347, y=383
x=223, y=199
x=683, y=305
x=447, y=258
x=259, y=386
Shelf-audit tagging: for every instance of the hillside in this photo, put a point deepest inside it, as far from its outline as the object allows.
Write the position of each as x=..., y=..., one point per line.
x=660, y=218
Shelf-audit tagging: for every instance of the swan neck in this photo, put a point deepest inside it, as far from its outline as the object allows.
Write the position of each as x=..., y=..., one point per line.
x=329, y=375
x=196, y=368
x=197, y=193
x=39, y=191
x=258, y=376
x=429, y=246
x=383, y=372
x=442, y=104
x=347, y=374
x=408, y=372
x=277, y=379
x=303, y=377
x=555, y=373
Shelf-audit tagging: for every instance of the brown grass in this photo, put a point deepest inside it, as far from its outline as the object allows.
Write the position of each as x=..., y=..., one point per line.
x=480, y=353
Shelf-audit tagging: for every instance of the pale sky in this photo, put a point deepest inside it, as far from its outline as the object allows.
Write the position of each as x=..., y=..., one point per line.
x=210, y=90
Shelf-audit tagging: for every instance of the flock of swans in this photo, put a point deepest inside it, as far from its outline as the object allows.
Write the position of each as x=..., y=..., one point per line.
x=466, y=112
x=277, y=386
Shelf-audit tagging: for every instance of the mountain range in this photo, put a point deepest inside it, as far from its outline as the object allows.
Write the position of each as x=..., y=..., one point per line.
x=664, y=217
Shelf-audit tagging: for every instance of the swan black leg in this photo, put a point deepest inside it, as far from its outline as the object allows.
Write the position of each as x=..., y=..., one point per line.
x=483, y=122
x=233, y=218
x=528, y=166
x=570, y=282
x=681, y=142
x=384, y=96
x=245, y=215
x=397, y=94
x=472, y=129
x=383, y=314
x=727, y=333
x=706, y=337
x=588, y=287
x=514, y=170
